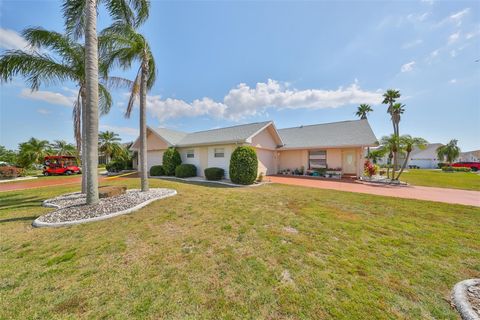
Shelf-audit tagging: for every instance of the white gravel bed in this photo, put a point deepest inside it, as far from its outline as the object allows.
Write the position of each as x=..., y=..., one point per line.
x=71, y=207
x=466, y=298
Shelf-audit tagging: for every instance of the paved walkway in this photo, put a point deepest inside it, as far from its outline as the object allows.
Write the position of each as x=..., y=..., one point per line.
x=465, y=197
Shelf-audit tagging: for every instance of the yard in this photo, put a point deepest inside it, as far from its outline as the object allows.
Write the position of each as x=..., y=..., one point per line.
x=275, y=252
x=438, y=178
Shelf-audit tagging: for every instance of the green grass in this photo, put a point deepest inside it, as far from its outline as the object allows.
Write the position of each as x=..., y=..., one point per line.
x=219, y=253
x=438, y=178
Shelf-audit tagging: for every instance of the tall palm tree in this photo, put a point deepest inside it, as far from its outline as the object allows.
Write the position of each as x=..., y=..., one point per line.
x=407, y=143
x=39, y=68
x=108, y=143
x=450, y=151
x=123, y=46
x=363, y=110
x=396, y=111
x=389, y=98
x=81, y=20
x=63, y=148
x=391, y=146
x=33, y=151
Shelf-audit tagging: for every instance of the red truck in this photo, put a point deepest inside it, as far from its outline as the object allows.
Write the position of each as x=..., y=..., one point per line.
x=60, y=165
x=475, y=166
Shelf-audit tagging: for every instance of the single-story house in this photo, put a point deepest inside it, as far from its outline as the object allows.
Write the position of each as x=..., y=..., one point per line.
x=332, y=145
x=469, y=156
x=425, y=158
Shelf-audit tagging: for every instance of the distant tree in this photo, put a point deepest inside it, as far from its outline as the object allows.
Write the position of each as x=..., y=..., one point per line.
x=108, y=144
x=63, y=148
x=376, y=154
x=407, y=143
x=8, y=156
x=363, y=110
x=450, y=151
x=32, y=151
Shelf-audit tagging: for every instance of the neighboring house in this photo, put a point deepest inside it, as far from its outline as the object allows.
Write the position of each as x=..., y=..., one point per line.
x=425, y=158
x=469, y=156
x=332, y=145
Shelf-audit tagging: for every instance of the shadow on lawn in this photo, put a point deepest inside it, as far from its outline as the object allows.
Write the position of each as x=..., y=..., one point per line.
x=17, y=201
x=30, y=218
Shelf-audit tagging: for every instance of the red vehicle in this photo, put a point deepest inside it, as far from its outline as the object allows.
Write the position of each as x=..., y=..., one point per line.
x=475, y=166
x=60, y=165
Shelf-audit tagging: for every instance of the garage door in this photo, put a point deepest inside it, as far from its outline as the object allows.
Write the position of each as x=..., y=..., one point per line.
x=154, y=158
x=265, y=162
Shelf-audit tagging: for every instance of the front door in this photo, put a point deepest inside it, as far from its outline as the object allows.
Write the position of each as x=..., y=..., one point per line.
x=349, y=163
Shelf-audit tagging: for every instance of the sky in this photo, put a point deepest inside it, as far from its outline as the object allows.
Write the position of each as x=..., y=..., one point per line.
x=222, y=63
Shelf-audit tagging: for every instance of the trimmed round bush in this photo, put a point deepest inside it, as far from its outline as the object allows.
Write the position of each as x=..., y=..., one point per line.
x=214, y=173
x=243, y=165
x=157, y=171
x=185, y=171
x=115, y=166
x=171, y=159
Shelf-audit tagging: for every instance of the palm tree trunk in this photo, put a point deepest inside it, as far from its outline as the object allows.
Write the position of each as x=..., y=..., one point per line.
x=84, y=139
x=91, y=72
x=143, y=129
x=403, y=166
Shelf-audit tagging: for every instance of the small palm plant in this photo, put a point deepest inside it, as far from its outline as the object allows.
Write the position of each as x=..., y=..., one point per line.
x=407, y=144
x=123, y=45
x=363, y=110
x=450, y=151
x=390, y=145
x=108, y=143
x=33, y=151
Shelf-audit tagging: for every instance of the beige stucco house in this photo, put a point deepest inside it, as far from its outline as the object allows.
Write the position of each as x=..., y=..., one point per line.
x=328, y=145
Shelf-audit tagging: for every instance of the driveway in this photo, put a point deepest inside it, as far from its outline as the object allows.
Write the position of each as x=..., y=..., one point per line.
x=456, y=196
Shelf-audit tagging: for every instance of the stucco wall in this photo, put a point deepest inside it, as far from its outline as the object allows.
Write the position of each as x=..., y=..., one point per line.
x=334, y=158
x=224, y=162
x=266, y=162
x=264, y=140
x=155, y=143
x=292, y=159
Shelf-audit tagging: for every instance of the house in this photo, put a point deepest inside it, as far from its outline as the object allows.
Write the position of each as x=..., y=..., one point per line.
x=332, y=145
x=469, y=156
x=425, y=158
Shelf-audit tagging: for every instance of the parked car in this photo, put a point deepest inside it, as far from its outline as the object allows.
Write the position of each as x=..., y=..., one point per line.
x=475, y=166
x=60, y=165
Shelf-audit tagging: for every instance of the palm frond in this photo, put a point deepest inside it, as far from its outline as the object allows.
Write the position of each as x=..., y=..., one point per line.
x=77, y=120
x=134, y=92
x=104, y=99
x=74, y=15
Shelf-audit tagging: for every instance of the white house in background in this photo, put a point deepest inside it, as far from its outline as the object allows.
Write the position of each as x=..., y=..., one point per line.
x=469, y=156
x=425, y=158
x=332, y=145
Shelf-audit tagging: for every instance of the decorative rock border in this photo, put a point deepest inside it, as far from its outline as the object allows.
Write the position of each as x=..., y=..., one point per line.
x=38, y=223
x=461, y=301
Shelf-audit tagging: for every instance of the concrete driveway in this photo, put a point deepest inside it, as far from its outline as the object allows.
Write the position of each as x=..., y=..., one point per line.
x=456, y=196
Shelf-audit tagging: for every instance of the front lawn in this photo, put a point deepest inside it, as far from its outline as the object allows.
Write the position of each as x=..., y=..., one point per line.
x=269, y=252
x=438, y=178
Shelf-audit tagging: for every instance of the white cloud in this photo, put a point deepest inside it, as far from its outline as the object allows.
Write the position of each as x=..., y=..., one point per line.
x=458, y=16
x=414, y=17
x=453, y=37
x=49, y=96
x=412, y=44
x=127, y=131
x=10, y=39
x=452, y=81
x=43, y=111
x=407, y=67
x=244, y=101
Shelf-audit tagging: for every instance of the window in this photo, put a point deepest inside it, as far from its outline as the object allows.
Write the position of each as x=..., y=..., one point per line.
x=190, y=153
x=219, y=152
x=317, y=159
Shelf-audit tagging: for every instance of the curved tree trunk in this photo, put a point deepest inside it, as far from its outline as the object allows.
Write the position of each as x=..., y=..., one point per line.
x=84, y=139
x=403, y=166
x=91, y=72
x=143, y=129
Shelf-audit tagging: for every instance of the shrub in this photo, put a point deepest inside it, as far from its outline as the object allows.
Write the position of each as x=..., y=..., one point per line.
x=442, y=164
x=243, y=165
x=214, y=173
x=260, y=177
x=456, y=169
x=185, y=170
x=115, y=166
x=171, y=159
x=369, y=168
x=9, y=172
x=157, y=171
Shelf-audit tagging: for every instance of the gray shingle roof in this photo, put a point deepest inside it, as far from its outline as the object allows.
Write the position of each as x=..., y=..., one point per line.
x=335, y=134
x=233, y=134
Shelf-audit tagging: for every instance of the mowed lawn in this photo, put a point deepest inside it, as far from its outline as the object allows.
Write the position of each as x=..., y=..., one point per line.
x=438, y=178
x=229, y=253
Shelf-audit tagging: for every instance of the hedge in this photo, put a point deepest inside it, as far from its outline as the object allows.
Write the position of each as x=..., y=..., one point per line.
x=456, y=169
x=9, y=172
x=185, y=170
x=214, y=173
x=157, y=171
x=243, y=165
x=171, y=159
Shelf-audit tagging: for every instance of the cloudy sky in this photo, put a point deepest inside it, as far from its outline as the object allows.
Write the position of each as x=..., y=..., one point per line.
x=297, y=63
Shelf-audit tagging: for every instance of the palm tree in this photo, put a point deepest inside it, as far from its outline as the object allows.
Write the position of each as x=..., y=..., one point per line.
x=391, y=146
x=363, y=110
x=123, y=45
x=108, y=143
x=396, y=111
x=389, y=98
x=63, y=148
x=376, y=154
x=33, y=151
x=450, y=151
x=81, y=20
x=39, y=68
x=407, y=143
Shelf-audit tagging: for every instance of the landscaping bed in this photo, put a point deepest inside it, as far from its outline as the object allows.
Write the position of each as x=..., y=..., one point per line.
x=72, y=208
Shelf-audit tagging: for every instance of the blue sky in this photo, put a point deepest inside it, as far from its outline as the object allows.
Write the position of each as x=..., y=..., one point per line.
x=224, y=63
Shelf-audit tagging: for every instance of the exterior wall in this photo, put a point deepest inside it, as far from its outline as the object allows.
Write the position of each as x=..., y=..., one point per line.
x=266, y=162
x=154, y=157
x=224, y=162
x=292, y=159
x=155, y=143
x=334, y=158
x=264, y=140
